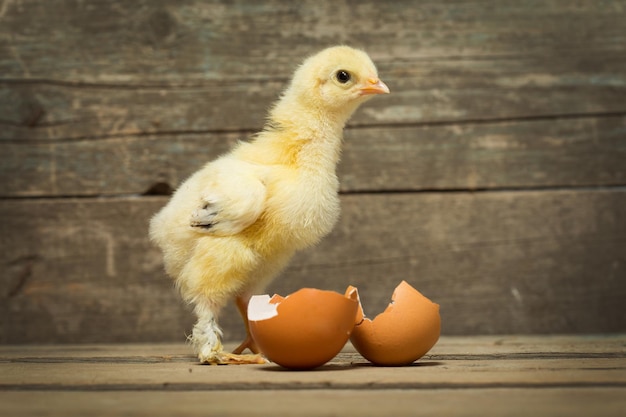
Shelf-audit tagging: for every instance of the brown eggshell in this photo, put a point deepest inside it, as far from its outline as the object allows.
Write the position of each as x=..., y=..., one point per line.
x=407, y=329
x=307, y=329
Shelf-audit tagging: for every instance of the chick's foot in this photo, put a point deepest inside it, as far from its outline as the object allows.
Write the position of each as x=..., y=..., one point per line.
x=206, y=339
x=206, y=342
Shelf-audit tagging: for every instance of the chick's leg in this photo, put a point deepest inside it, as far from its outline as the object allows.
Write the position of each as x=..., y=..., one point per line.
x=206, y=341
x=248, y=343
x=206, y=337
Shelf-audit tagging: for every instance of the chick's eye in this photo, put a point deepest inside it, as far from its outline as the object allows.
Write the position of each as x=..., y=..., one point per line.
x=343, y=76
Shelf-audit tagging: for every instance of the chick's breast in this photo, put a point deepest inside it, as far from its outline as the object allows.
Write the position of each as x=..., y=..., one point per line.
x=301, y=208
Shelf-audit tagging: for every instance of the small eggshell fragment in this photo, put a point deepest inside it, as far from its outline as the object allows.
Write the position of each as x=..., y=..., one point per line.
x=407, y=329
x=303, y=330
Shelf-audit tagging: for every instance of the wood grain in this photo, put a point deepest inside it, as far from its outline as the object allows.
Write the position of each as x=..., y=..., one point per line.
x=573, y=402
x=423, y=92
x=69, y=40
x=492, y=178
x=551, y=153
x=117, y=68
x=468, y=373
x=503, y=375
x=502, y=262
x=509, y=155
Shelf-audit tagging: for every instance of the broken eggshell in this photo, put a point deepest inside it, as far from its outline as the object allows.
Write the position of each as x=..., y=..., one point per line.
x=407, y=329
x=305, y=329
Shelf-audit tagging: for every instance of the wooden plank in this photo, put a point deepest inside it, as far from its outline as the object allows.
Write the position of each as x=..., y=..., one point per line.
x=436, y=91
x=530, y=154
x=574, y=402
x=550, y=153
x=490, y=379
x=165, y=367
x=158, y=67
x=128, y=165
x=197, y=38
x=345, y=372
x=48, y=111
x=82, y=270
x=71, y=295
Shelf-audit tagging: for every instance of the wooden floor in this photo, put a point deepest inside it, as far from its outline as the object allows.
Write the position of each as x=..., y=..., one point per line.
x=482, y=376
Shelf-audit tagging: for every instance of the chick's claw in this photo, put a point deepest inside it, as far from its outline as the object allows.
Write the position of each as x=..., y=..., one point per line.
x=204, y=217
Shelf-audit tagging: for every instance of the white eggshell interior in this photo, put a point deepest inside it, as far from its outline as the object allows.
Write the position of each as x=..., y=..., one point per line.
x=260, y=308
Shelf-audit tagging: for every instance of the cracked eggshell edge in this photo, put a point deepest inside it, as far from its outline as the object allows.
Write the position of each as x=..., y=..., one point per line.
x=408, y=328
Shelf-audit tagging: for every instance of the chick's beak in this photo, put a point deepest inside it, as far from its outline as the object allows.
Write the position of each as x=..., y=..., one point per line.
x=374, y=86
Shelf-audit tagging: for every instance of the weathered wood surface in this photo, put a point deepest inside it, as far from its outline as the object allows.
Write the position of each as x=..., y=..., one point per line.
x=103, y=101
x=73, y=70
x=523, y=262
x=422, y=92
x=570, y=402
x=550, y=153
x=482, y=376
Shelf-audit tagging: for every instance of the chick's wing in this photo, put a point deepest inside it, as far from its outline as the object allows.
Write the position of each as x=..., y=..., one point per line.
x=232, y=197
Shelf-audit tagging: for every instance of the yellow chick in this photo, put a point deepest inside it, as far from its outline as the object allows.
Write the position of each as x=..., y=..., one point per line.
x=232, y=226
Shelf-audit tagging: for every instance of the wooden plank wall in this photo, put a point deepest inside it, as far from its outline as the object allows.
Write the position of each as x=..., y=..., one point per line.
x=492, y=178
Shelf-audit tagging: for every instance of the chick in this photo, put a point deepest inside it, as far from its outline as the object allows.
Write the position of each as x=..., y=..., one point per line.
x=232, y=226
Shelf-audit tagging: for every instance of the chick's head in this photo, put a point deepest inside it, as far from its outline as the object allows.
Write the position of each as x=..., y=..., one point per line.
x=337, y=78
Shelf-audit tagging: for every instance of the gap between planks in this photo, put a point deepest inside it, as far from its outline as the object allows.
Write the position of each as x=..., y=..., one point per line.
x=495, y=190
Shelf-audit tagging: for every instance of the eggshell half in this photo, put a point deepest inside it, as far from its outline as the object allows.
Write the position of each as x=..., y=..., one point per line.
x=303, y=330
x=407, y=329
